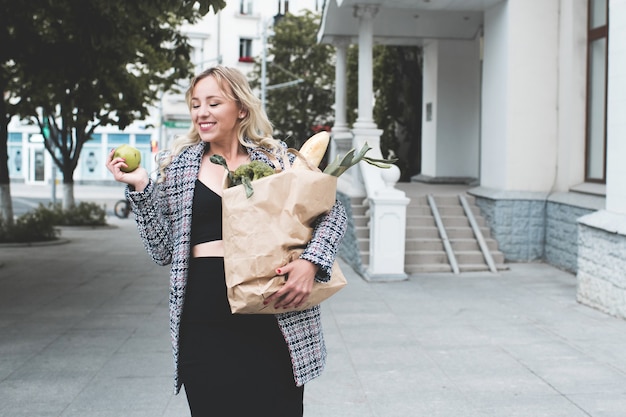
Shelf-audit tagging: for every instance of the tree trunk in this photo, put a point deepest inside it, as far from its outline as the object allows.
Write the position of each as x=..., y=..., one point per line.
x=68, y=196
x=6, y=206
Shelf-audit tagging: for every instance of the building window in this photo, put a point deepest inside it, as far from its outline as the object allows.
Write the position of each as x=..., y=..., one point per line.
x=245, y=50
x=597, y=50
x=245, y=7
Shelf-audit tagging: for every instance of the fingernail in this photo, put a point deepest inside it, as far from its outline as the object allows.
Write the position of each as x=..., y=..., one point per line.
x=279, y=271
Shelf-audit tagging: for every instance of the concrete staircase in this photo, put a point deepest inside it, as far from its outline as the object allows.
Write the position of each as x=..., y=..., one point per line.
x=425, y=246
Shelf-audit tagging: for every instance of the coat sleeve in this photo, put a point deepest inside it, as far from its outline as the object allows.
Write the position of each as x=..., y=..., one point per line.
x=327, y=234
x=152, y=222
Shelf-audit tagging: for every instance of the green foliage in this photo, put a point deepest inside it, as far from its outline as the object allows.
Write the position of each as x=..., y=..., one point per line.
x=398, y=109
x=39, y=225
x=82, y=214
x=303, y=109
x=253, y=171
x=76, y=65
x=352, y=157
x=245, y=173
x=35, y=226
x=397, y=77
x=352, y=79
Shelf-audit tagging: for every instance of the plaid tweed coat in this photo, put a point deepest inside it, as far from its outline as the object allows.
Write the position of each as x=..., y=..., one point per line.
x=163, y=215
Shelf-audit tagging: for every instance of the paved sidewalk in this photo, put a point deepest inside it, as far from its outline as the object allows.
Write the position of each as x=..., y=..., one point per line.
x=104, y=195
x=84, y=333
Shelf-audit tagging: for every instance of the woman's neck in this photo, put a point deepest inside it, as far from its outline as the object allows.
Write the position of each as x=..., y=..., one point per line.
x=234, y=154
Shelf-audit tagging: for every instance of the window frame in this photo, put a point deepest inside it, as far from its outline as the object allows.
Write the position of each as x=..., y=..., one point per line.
x=595, y=34
x=245, y=50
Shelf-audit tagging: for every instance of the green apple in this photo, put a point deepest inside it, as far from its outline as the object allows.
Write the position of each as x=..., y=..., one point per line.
x=131, y=156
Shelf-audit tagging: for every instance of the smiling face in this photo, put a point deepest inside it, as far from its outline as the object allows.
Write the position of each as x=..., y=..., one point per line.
x=214, y=114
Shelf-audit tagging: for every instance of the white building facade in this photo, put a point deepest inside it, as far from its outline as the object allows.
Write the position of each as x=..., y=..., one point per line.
x=526, y=97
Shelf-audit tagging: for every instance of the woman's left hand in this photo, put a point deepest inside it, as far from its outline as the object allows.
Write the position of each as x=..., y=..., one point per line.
x=300, y=275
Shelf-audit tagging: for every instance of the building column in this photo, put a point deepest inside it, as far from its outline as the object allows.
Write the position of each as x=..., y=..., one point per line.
x=366, y=13
x=341, y=84
x=387, y=204
x=350, y=182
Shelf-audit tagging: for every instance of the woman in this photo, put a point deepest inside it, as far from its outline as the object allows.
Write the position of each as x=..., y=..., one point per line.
x=241, y=365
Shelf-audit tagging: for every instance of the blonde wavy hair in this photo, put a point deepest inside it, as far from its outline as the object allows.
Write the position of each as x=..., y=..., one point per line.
x=254, y=129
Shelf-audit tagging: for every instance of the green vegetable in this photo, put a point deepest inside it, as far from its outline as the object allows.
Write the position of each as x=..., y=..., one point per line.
x=341, y=164
x=253, y=171
x=219, y=160
x=245, y=173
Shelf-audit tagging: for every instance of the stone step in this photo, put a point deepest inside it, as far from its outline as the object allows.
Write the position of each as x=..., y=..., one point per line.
x=424, y=249
x=472, y=244
x=469, y=257
x=420, y=221
x=359, y=210
x=422, y=232
x=424, y=244
x=425, y=257
x=360, y=220
x=362, y=232
x=449, y=210
x=461, y=221
x=459, y=233
x=423, y=268
x=418, y=211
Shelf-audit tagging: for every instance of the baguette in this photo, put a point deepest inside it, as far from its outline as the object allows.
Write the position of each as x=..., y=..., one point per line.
x=313, y=151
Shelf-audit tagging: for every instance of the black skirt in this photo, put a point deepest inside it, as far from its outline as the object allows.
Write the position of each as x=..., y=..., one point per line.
x=232, y=364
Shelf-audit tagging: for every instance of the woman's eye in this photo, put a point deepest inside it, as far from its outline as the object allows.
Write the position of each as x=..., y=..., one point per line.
x=214, y=104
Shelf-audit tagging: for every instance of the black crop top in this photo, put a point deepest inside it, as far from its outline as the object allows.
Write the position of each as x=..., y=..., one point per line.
x=206, y=220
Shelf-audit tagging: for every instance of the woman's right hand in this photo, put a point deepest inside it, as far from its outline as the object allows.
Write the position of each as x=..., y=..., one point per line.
x=138, y=178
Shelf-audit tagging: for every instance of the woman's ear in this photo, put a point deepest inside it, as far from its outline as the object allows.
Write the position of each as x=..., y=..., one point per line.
x=243, y=113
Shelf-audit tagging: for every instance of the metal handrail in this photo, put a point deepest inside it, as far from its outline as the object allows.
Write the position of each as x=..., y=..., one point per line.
x=478, y=234
x=444, y=236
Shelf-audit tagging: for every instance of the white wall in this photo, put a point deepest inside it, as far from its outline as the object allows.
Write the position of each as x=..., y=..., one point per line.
x=532, y=98
x=616, y=110
x=494, y=156
x=429, y=98
x=520, y=96
x=451, y=87
x=458, y=109
x=572, y=94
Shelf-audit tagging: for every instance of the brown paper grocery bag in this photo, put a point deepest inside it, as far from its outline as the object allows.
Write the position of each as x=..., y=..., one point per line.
x=269, y=230
x=248, y=297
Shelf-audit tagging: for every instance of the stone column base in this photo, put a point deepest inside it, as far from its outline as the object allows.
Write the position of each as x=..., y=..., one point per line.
x=602, y=262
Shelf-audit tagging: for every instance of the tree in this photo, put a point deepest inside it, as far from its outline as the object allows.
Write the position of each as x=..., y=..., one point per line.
x=398, y=92
x=397, y=79
x=14, y=16
x=77, y=65
x=304, y=108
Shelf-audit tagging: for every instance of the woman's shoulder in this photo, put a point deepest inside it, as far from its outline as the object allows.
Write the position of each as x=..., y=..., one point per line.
x=188, y=152
x=266, y=153
x=278, y=146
